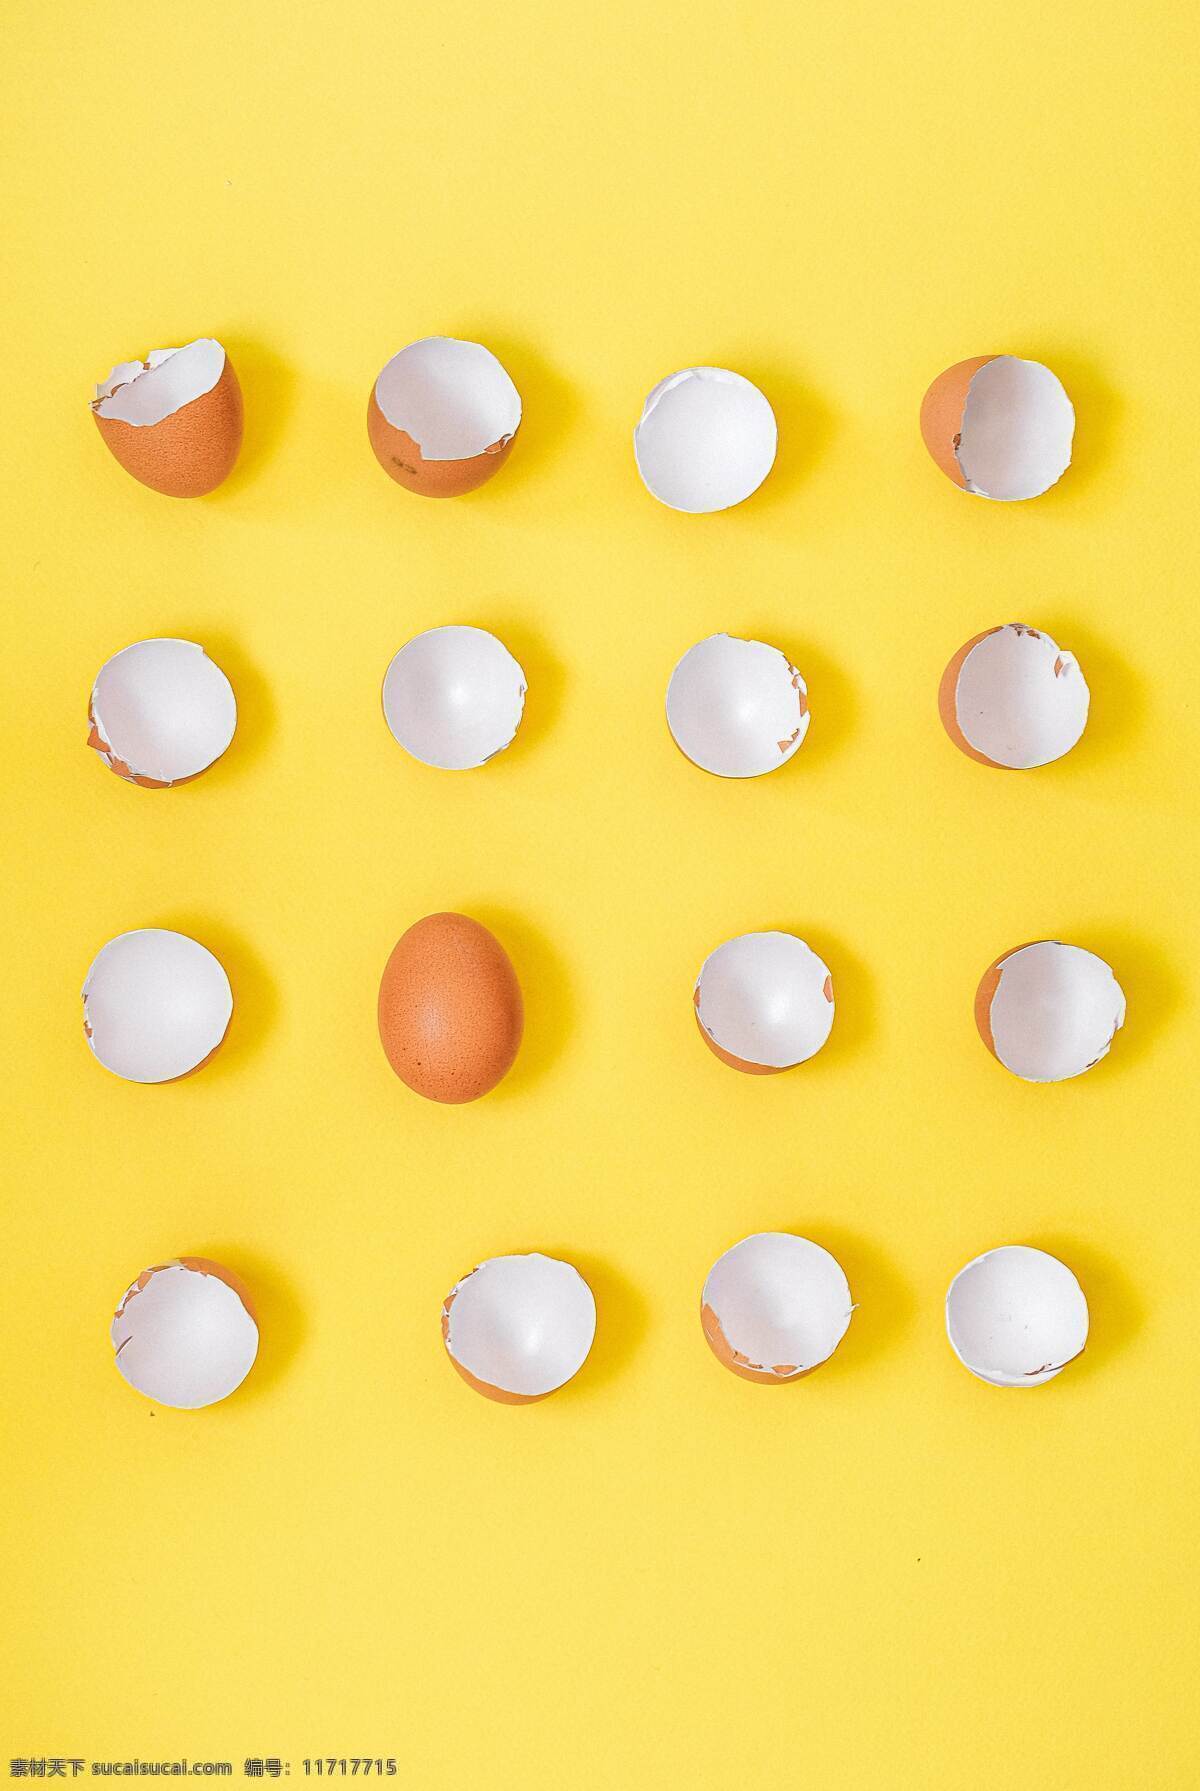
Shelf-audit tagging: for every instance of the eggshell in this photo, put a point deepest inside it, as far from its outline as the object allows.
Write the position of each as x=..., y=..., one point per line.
x=174, y=420
x=156, y=1005
x=775, y=1307
x=519, y=1327
x=161, y=712
x=450, y=1009
x=185, y=1334
x=454, y=697
x=1049, y=1011
x=737, y=708
x=1013, y=698
x=764, y=1002
x=443, y=416
x=999, y=426
x=705, y=441
x=1016, y=1316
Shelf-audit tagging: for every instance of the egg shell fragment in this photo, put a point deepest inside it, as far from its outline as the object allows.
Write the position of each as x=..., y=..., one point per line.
x=775, y=1307
x=185, y=1334
x=705, y=441
x=161, y=712
x=453, y=697
x=443, y=416
x=1013, y=699
x=999, y=426
x=173, y=420
x=156, y=1005
x=1049, y=1011
x=1016, y=1316
x=519, y=1327
x=737, y=708
x=764, y=1002
x=450, y=1009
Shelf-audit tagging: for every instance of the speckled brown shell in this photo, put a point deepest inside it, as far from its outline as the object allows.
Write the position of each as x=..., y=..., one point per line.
x=400, y=458
x=450, y=1009
x=942, y=414
x=188, y=453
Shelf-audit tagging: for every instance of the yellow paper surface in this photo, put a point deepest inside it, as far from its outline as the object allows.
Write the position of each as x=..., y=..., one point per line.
x=888, y=1574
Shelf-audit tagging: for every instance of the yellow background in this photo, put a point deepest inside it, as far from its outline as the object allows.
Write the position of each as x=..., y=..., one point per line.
x=891, y=1574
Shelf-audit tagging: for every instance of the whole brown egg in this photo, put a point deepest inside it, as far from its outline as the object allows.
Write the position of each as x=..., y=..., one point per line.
x=450, y=1009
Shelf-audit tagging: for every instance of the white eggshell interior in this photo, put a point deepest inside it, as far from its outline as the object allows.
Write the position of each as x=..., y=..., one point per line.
x=780, y=1300
x=454, y=697
x=762, y=997
x=155, y=1004
x=185, y=1338
x=452, y=398
x=1017, y=429
x=144, y=392
x=1020, y=699
x=164, y=708
x=706, y=439
x=737, y=708
x=1015, y=1316
x=1055, y=1011
x=522, y=1324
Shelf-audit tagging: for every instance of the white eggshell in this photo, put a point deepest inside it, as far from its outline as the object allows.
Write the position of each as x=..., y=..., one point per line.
x=1049, y=1011
x=737, y=708
x=1016, y=1316
x=765, y=1000
x=775, y=1306
x=1017, y=428
x=706, y=440
x=146, y=392
x=518, y=1327
x=184, y=1334
x=162, y=711
x=453, y=398
x=1013, y=698
x=453, y=697
x=156, y=1004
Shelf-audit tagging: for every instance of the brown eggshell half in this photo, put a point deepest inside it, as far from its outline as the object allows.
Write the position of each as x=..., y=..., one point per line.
x=735, y=1063
x=723, y=1350
x=401, y=459
x=942, y=414
x=189, y=453
x=450, y=1009
x=485, y=1387
x=989, y=982
x=948, y=698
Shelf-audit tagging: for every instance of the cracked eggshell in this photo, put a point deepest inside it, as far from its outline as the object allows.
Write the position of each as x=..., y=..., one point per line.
x=161, y=712
x=185, y=1333
x=443, y=416
x=737, y=708
x=519, y=1327
x=450, y=1009
x=1013, y=698
x=454, y=697
x=156, y=1005
x=1049, y=1011
x=999, y=426
x=775, y=1307
x=764, y=1002
x=173, y=420
x=1016, y=1316
x=706, y=440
